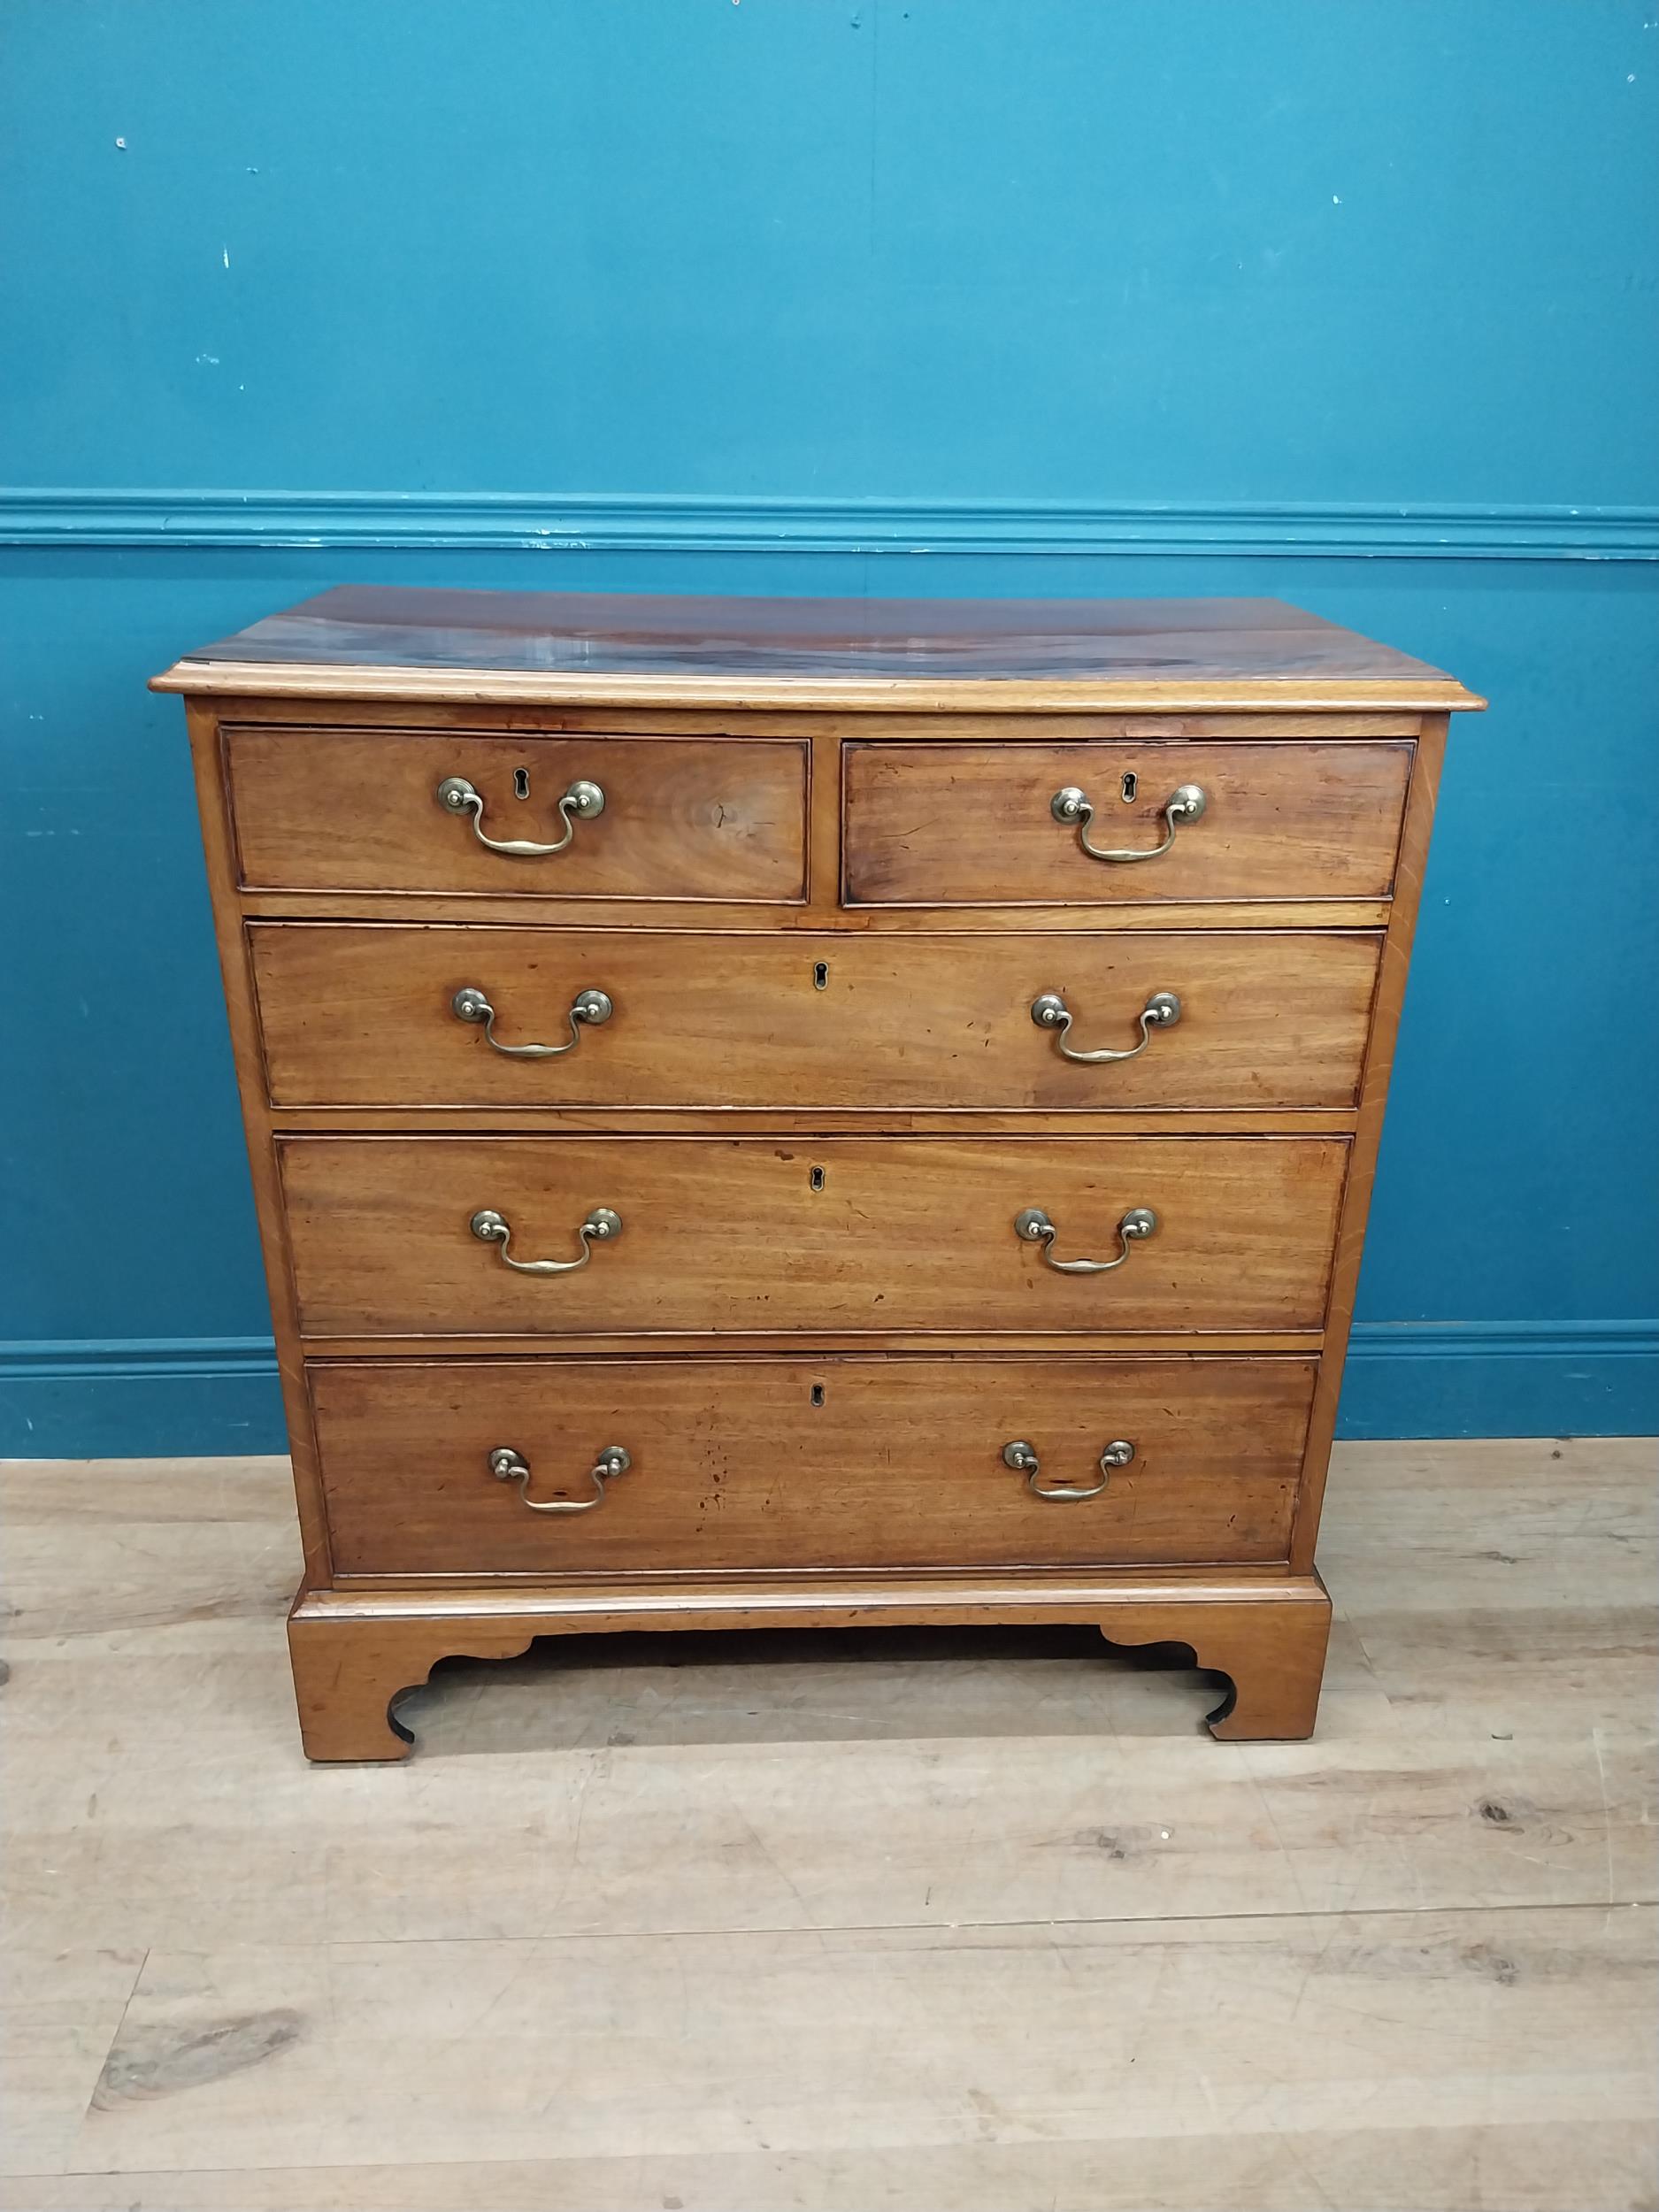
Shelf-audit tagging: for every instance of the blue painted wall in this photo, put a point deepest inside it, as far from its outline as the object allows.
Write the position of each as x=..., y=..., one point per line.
x=1357, y=305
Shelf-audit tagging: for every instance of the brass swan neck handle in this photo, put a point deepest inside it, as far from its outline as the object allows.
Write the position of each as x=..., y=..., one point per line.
x=510, y=1466
x=1034, y=1226
x=1050, y=1011
x=1073, y=808
x=584, y=802
x=1024, y=1459
x=472, y=1005
x=599, y=1228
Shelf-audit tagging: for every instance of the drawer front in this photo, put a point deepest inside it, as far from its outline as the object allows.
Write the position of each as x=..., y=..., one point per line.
x=359, y=810
x=366, y=1014
x=764, y=1236
x=974, y=825
x=777, y=1464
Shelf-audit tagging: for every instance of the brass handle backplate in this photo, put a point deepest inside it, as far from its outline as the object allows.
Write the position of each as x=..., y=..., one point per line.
x=1050, y=1010
x=1023, y=1458
x=584, y=802
x=471, y=1005
x=510, y=1466
x=1076, y=811
x=1034, y=1226
x=601, y=1225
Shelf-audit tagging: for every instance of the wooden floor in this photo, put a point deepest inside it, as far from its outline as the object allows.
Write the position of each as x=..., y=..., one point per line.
x=888, y=1921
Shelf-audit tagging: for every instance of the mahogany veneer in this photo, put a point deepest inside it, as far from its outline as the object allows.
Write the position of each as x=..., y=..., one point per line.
x=811, y=963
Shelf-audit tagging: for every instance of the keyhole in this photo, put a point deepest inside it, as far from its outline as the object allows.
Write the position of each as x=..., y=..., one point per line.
x=521, y=783
x=817, y=1393
x=820, y=975
x=816, y=1178
x=1130, y=788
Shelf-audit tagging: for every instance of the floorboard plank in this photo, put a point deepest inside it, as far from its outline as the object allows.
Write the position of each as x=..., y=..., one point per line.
x=978, y=1919
x=817, y=2042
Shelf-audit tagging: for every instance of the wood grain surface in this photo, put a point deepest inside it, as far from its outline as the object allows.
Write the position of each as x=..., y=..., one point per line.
x=1396, y=961
x=971, y=824
x=363, y=1016
x=343, y=810
x=836, y=1462
x=883, y=1862
x=734, y=1235
x=236, y=972
x=353, y=1650
x=807, y=651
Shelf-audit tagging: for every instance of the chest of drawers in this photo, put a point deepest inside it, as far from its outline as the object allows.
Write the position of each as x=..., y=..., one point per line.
x=773, y=1112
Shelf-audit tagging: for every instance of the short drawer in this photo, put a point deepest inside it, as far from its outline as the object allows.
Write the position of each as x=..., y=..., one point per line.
x=761, y=1236
x=952, y=825
x=676, y=818
x=786, y=1463
x=389, y=1015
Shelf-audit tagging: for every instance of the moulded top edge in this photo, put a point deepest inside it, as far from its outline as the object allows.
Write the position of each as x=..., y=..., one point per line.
x=807, y=692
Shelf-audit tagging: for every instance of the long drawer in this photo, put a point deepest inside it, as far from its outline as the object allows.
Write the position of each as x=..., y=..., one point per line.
x=775, y=1463
x=948, y=825
x=696, y=1236
x=388, y=811
x=389, y=1015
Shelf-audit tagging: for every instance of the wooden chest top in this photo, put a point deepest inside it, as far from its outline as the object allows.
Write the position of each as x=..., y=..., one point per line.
x=926, y=656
